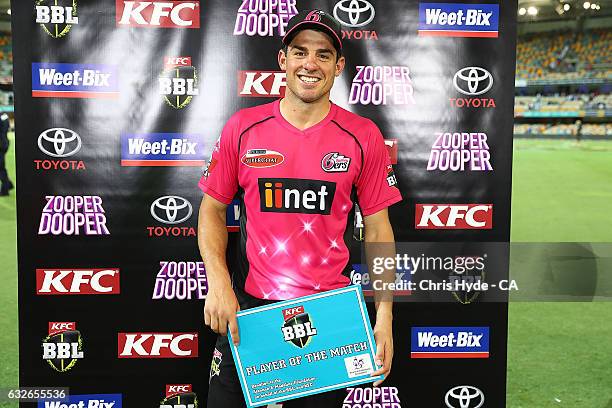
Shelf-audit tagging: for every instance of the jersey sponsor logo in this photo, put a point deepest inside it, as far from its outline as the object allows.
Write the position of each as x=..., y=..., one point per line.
x=59, y=143
x=162, y=149
x=458, y=20
x=335, y=162
x=358, y=397
x=262, y=158
x=56, y=17
x=63, y=347
x=473, y=81
x=178, y=83
x=60, y=80
x=73, y=215
x=179, y=396
x=296, y=195
x=264, y=18
x=297, y=328
x=460, y=152
x=391, y=145
x=382, y=85
x=158, y=14
x=157, y=345
x=93, y=281
x=454, y=216
x=181, y=281
x=391, y=179
x=355, y=14
x=450, y=342
x=262, y=84
x=83, y=401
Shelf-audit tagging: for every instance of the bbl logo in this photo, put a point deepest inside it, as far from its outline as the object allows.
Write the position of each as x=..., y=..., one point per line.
x=63, y=347
x=56, y=17
x=298, y=327
x=215, y=364
x=468, y=276
x=179, y=396
x=178, y=83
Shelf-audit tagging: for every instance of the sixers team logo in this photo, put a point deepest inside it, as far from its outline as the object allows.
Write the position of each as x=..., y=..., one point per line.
x=335, y=163
x=298, y=328
x=179, y=396
x=178, y=83
x=63, y=347
x=56, y=17
x=258, y=158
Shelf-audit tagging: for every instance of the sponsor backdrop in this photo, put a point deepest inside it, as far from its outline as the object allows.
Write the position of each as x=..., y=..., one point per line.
x=119, y=105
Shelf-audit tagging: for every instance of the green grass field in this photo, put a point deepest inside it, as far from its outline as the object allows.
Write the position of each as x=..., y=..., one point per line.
x=559, y=354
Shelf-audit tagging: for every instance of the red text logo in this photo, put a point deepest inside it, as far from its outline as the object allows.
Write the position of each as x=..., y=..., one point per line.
x=266, y=84
x=156, y=13
x=157, y=345
x=77, y=281
x=454, y=216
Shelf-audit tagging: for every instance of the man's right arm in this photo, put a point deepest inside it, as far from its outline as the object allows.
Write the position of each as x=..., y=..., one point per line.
x=221, y=303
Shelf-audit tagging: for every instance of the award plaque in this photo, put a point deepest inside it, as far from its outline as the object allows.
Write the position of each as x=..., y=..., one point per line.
x=304, y=346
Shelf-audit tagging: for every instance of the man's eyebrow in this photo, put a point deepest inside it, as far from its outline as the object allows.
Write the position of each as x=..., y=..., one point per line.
x=320, y=50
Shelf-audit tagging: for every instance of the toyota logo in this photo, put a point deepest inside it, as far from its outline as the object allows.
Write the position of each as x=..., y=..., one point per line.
x=171, y=209
x=464, y=396
x=473, y=81
x=358, y=12
x=59, y=142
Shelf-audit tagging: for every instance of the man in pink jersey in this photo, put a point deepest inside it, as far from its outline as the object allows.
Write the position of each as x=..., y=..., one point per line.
x=297, y=165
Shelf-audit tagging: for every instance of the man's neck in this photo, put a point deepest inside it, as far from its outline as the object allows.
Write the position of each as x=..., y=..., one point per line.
x=303, y=115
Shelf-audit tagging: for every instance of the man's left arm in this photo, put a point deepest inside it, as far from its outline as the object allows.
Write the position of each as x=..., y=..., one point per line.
x=380, y=243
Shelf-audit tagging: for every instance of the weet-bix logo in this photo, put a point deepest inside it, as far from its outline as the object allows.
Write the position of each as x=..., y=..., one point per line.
x=83, y=401
x=162, y=149
x=459, y=20
x=450, y=342
x=60, y=80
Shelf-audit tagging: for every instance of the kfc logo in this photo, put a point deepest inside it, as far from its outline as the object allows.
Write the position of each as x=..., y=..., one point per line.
x=63, y=347
x=158, y=14
x=179, y=396
x=454, y=216
x=298, y=328
x=157, y=345
x=77, y=281
x=262, y=84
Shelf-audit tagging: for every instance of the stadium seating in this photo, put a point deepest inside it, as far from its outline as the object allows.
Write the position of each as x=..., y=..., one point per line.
x=6, y=59
x=564, y=55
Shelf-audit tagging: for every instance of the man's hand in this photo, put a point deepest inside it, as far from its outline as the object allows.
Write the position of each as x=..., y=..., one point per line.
x=383, y=335
x=220, y=310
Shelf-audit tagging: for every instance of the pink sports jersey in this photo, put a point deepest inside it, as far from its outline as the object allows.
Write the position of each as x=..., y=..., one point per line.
x=297, y=188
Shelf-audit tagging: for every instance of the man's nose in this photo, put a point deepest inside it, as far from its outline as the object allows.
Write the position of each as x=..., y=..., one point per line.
x=310, y=63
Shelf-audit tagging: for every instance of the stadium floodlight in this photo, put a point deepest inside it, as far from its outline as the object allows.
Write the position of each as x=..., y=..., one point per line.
x=522, y=11
x=586, y=5
x=566, y=7
x=532, y=11
x=593, y=6
x=8, y=12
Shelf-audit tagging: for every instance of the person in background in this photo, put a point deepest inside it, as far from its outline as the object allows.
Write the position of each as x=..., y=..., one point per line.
x=4, y=145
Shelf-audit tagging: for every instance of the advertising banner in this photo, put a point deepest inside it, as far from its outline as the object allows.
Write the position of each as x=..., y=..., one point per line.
x=119, y=105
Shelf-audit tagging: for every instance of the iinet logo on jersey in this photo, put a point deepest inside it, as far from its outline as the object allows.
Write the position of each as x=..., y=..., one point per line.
x=158, y=14
x=454, y=216
x=262, y=84
x=157, y=345
x=77, y=281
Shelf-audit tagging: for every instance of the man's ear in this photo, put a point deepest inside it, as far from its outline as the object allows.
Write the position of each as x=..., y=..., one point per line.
x=282, y=60
x=340, y=65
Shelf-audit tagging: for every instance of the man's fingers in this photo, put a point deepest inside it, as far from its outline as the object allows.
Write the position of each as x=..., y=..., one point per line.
x=206, y=317
x=214, y=323
x=233, y=326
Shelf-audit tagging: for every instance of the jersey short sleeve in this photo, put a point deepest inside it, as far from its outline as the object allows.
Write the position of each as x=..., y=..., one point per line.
x=220, y=178
x=376, y=186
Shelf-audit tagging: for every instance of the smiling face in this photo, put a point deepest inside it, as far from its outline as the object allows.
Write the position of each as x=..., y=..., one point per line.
x=311, y=66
